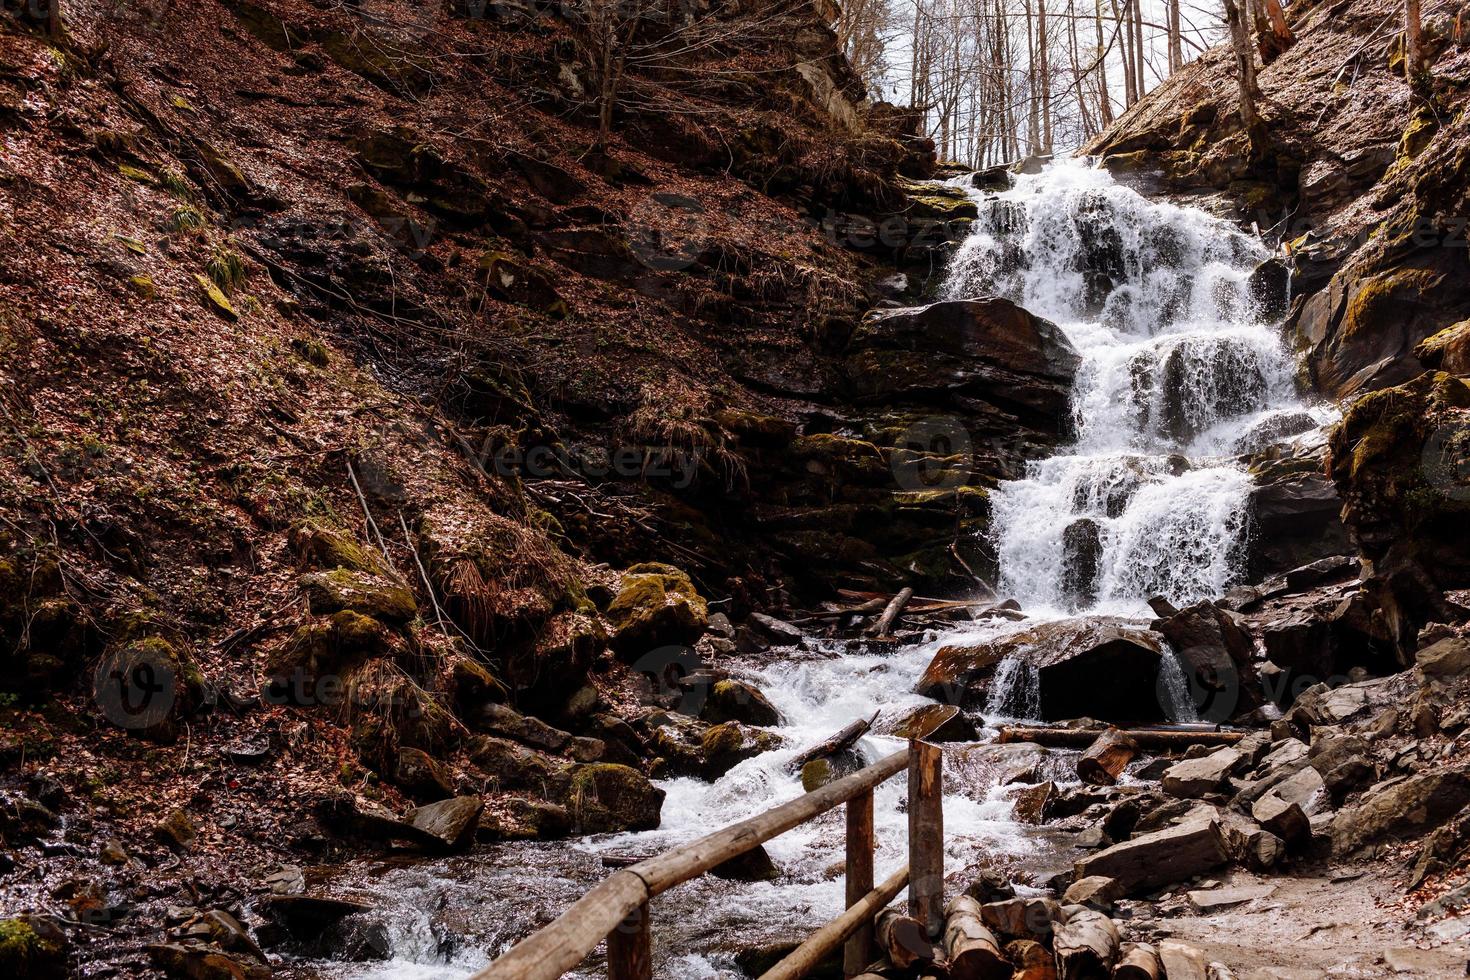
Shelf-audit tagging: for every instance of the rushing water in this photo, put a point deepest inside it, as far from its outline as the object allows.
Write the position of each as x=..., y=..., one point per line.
x=1177, y=368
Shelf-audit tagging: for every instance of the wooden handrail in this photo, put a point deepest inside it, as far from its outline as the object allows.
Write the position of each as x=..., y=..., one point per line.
x=560, y=946
x=804, y=958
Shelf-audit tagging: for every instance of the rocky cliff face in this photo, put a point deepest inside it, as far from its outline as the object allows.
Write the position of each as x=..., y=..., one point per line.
x=1364, y=186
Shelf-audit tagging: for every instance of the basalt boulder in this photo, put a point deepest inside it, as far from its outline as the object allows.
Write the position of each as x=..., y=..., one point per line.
x=1096, y=667
x=987, y=349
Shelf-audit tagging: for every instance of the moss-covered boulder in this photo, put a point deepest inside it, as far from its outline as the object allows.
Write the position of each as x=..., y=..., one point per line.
x=329, y=547
x=656, y=605
x=732, y=700
x=383, y=598
x=34, y=948
x=939, y=202
x=147, y=686
x=725, y=746
x=320, y=649
x=604, y=798
x=1448, y=350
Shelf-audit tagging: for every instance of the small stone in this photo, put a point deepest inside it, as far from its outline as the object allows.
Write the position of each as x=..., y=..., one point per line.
x=112, y=852
x=1095, y=892
x=177, y=830
x=1214, y=899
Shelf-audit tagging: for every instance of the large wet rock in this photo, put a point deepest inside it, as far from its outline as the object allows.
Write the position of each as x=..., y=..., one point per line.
x=1401, y=461
x=1161, y=858
x=605, y=798
x=987, y=348
x=1096, y=667
x=656, y=606
x=1215, y=649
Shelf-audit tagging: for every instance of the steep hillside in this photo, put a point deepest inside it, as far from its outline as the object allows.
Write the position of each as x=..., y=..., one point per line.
x=350, y=386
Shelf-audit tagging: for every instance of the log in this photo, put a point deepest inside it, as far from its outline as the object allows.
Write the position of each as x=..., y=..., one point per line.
x=1106, y=757
x=1165, y=739
x=842, y=740
x=972, y=949
x=805, y=958
x=1033, y=960
x=1085, y=945
x=885, y=622
x=926, y=836
x=1138, y=961
x=630, y=948
x=857, y=952
x=903, y=939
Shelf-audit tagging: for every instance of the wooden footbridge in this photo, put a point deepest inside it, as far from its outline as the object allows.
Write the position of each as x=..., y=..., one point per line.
x=617, y=907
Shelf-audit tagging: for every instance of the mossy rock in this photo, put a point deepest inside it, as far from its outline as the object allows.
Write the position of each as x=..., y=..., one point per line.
x=819, y=772
x=732, y=700
x=1448, y=350
x=328, y=547
x=725, y=746
x=33, y=948
x=939, y=202
x=473, y=685
x=322, y=648
x=143, y=286
x=828, y=455
x=146, y=686
x=755, y=428
x=217, y=298
x=382, y=598
x=656, y=605
x=607, y=798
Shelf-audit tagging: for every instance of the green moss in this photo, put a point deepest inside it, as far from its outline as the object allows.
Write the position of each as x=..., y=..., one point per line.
x=24, y=952
x=143, y=286
x=1375, y=297
x=657, y=604
x=373, y=595
x=328, y=547
x=216, y=298
x=136, y=173
x=973, y=497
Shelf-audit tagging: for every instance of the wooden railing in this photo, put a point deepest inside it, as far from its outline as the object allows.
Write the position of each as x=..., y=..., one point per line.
x=617, y=907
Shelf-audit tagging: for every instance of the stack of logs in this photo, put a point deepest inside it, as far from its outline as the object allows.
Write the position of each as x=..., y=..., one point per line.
x=1028, y=939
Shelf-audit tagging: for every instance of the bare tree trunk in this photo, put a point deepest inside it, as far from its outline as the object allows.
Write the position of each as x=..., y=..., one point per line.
x=1138, y=46
x=1130, y=85
x=1105, y=102
x=1245, y=65
x=54, y=27
x=1044, y=54
x=1414, y=71
x=1033, y=119
x=1176, y=44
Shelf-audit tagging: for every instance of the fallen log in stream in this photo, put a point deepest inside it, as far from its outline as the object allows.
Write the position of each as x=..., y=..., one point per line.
x=1165, y=739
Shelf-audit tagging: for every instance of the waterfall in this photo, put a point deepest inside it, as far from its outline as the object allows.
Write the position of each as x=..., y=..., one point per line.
x=1177, y=367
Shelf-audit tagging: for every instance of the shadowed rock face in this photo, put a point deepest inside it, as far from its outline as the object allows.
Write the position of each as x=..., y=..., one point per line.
x=988, y=349
x=1096, y=667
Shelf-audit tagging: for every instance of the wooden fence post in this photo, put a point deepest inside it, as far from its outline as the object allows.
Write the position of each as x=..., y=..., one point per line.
x=926, y=835
x=858, y=952
x=630, y=948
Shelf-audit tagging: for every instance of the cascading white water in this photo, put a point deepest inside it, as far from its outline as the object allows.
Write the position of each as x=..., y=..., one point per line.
x=1177, y=368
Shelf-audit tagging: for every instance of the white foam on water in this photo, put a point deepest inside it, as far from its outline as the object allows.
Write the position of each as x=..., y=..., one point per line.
x=1177, y=366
